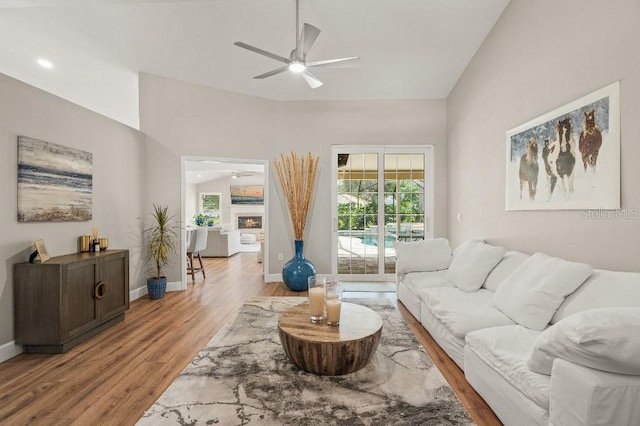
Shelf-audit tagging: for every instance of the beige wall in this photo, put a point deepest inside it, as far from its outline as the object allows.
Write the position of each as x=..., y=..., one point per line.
x=539, y=56
x=316, y=126
x=192, y=120
x=117, y=183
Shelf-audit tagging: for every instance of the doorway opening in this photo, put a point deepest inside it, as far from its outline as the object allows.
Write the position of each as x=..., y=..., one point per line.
x=229, y=197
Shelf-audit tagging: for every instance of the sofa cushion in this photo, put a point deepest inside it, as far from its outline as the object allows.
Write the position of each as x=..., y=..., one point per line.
x=506, y=349
x=605, y=339
x=416, y=281
x=510, y=261
x=603, y=289
x=584, y=396
x=471, y=264
x=423, y=256
x=409, y=285
x=532, y=293
x=461, y=312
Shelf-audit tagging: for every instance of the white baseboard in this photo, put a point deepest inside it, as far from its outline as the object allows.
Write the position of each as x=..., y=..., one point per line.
x=9, y=350
x=137, y=293
x=176, y=286
x=273, y=278
x=142, y=291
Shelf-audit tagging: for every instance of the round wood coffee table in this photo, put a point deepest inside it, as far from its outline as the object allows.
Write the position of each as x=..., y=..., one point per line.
x=326, y=350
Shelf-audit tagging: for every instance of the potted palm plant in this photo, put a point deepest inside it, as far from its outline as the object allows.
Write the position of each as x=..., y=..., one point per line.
x=160, y=243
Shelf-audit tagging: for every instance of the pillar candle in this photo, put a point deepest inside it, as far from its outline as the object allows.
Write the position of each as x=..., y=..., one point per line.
x=333, y=310
x=316, y=301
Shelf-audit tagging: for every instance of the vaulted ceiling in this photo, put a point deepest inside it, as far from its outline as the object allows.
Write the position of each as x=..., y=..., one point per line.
x=409, y=49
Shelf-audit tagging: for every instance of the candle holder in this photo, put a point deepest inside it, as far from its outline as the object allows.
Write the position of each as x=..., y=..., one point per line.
x=316, y=287
x=104, y=243
x=83, y=241
x=333, y=302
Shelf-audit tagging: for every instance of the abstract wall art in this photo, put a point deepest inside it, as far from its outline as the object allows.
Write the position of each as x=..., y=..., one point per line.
x=55, y=182
x=247, y=194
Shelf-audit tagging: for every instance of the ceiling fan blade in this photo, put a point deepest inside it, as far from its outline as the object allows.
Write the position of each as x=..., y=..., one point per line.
x=262, y=52
x=342, y=62
x=307, y=38
x=272, y=72
x=311, y=79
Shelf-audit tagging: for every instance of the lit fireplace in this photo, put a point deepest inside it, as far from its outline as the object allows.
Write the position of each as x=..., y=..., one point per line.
x=249, y=222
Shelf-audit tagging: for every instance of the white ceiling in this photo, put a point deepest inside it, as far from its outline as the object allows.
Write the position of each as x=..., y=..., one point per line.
x=206, y=170
x=409, y=49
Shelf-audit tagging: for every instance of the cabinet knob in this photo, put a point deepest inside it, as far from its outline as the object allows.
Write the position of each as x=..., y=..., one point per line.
x=100, y=290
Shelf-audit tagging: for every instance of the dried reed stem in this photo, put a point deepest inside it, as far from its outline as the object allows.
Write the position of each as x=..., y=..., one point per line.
x=297, y=178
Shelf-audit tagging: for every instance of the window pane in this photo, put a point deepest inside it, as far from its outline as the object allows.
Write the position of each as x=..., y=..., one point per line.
x=209, y=209
x=210, y=202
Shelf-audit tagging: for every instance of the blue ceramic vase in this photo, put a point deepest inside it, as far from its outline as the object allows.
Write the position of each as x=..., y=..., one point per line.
x=295, y=273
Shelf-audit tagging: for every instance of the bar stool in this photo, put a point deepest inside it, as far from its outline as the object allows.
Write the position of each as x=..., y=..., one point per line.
x=196, y=241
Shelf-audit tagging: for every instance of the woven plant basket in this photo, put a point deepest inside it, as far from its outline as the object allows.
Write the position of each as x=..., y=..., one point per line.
x=157, y=287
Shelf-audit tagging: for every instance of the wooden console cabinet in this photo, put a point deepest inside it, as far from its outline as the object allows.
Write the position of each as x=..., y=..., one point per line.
x=68, y=299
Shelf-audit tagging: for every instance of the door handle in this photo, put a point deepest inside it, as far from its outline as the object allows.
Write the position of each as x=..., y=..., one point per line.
x=100, y=290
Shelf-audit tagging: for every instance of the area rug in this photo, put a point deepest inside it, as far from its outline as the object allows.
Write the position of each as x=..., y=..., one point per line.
x=242, y=376
x=368, y=287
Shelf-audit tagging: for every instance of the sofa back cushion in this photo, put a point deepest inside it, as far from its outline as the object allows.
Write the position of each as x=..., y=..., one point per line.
x=606, y=339
x=510, y=261
x=603, y=289
x=471, y=264
x=533, y=292
x=423, y=256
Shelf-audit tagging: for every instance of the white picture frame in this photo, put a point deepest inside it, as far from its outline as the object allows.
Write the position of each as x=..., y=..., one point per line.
x=587, y=129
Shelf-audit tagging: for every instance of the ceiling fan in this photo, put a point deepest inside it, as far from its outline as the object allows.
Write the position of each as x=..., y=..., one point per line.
x=235, y=174
x=297, y=60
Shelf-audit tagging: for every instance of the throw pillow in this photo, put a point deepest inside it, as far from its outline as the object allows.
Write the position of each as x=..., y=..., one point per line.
x=533, y=292
x=423, y=256
x=471, y=264
x=605, y=339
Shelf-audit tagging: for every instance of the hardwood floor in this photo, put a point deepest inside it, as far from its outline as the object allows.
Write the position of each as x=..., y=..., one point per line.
x=114, y=377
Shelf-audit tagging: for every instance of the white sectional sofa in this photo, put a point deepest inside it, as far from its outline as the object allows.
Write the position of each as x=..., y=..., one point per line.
x=541, y=339
x=222, y=242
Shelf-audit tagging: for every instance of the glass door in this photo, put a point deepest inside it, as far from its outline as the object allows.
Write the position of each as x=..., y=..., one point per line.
x=382, y=195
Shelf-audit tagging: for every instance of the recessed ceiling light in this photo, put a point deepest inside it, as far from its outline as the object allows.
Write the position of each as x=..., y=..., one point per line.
x=45, y=64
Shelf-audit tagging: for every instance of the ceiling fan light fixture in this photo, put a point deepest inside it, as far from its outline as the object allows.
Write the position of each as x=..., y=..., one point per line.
x=296, y=66
x=297, y=60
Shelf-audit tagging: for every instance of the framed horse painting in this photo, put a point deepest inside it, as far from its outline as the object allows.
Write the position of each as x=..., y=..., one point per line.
x=569, y=158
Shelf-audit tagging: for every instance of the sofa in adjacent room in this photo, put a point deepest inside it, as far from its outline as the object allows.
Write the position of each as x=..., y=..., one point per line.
x=222, y=241
x=541, y=339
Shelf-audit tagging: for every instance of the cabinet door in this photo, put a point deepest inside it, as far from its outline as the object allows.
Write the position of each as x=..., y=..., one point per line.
x=114, y=273
x=81, y=311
